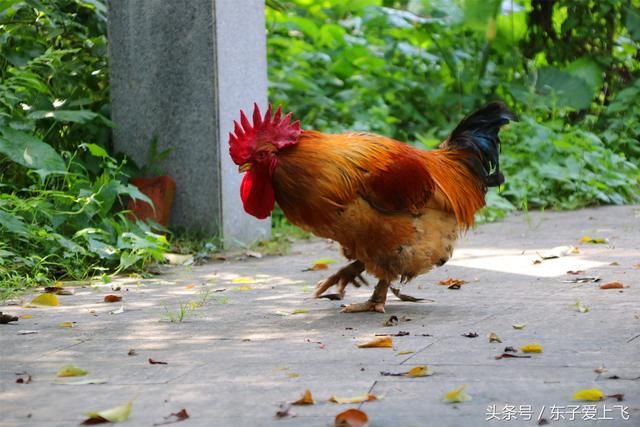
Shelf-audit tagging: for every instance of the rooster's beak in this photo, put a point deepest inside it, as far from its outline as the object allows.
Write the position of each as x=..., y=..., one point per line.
x=244, y=168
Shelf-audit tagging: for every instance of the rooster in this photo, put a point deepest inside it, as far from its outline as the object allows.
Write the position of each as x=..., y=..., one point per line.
x=395, y=210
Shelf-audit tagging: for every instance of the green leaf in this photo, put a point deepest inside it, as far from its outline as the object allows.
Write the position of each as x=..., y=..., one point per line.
x=588, y=70
x=75, y=116
x=30, y=151
x=571, y=91
x=13, y=223
x=96, y=150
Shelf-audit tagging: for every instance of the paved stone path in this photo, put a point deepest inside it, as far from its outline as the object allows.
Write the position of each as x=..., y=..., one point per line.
x=235, y=356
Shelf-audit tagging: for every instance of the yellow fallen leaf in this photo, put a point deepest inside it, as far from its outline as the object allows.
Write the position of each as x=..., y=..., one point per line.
x=595, y=240
x=46, y=299
x=419, y=371
x=299, y=311
x=354, y=399
x=321, y=264
x=293, y=375
x=519, y=325
x=113, y=415
x=306, y=399
x=494, y=338
x=457, y=395
x=71, y=371
x=402, y=353
x=66, y=325
x=245, y=288
x=581, y=308
x=190, y=286
x=243, y=280
x=531, y=348
x=378, y=342
x=589, y=394
x=25, y=316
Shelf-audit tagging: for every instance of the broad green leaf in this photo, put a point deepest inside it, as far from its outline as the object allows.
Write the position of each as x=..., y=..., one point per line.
x=588, y=70
x=75, y=116
x=29, y=151
x=96, y=150
x=71, y=371
x=114, y=415
x=571, y=91
x=13, y=223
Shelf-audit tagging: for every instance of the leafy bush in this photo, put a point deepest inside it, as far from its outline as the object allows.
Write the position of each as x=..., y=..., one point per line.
x=411, y=70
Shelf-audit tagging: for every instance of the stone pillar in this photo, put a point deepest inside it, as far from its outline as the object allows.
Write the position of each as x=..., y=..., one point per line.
x=180, y=70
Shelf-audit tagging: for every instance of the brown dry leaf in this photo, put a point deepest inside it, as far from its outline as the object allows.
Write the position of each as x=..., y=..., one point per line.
x=351, y=418
x=132, y=352
x=174, y=417
x=537, y=261
x=157, y=362
x=575, y=272
x=612, y=285
x=494, y=338
x=600, y=370
x=379, y=342
x=305, y=399
x=451, y=282
x=405, y=297
x=355, y=399
x=24, y=379
x=112, y=298
x=391, y=321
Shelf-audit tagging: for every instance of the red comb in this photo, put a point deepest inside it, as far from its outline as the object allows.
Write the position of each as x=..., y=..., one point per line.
x=269, y=129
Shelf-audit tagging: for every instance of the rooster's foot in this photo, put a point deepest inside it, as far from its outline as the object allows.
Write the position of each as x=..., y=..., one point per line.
x=352, y=273
x=364, y=306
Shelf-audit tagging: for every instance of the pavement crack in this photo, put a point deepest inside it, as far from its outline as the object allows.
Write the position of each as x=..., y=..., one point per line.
x=633, y=338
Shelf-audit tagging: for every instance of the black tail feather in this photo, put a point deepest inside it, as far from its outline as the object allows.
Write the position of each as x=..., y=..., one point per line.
x=478, y=133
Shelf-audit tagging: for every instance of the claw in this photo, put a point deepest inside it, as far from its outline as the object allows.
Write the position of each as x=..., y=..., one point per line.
x=377, y=307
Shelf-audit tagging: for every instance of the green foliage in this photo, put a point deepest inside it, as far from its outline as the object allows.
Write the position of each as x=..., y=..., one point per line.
x=411, y=70
x=62, y=195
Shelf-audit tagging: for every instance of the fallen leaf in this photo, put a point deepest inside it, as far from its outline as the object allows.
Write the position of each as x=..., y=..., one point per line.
x=457, y=395
x=402, y=353
x=157, y=362
x=600, y=370
x=190, y=286
x=27, y=332
x=81, y=382
x=594, y=240
x=6, y=318
x=531, y=348
x=243, y=280
x=26, y=316
x=293, y=375
x=614, y=263
x=71, y=371
x=46, y=299
x=66, y=324
x=132, y=352
x=245, y=288
x=519, y=325
x=510, y=350
x=380, y=342
x=113, y=415
x=419, y=371
x=588, y=394
x=282, y=313
x=582, y=280
x=397, y=334
x=24, y=379
x=454, y=287
x=284, y=410
x=112, y=298
x=253, y=254
x=581, y=308
x=391, y=321
x=355, y=399
x=451, y=281
x=537, y=261
x=299, y=311
x=470, y=335
x=118, y=311
x=174, y=417
x=509, y=355
x=619, y=396
x=575, y=272
x=306, y=399
x=178, y=259
x=494, y=338
x=612, y=285
x=351, y=418
x=557, y=252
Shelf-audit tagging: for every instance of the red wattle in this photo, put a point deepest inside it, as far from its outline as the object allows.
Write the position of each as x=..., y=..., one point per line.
x=256, y=192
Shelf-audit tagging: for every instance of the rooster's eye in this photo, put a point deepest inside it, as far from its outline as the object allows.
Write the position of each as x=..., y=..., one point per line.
x=261, y=155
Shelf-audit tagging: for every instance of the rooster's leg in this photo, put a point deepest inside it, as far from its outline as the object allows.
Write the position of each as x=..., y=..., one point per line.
x=352, y=273
x=375, y=303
